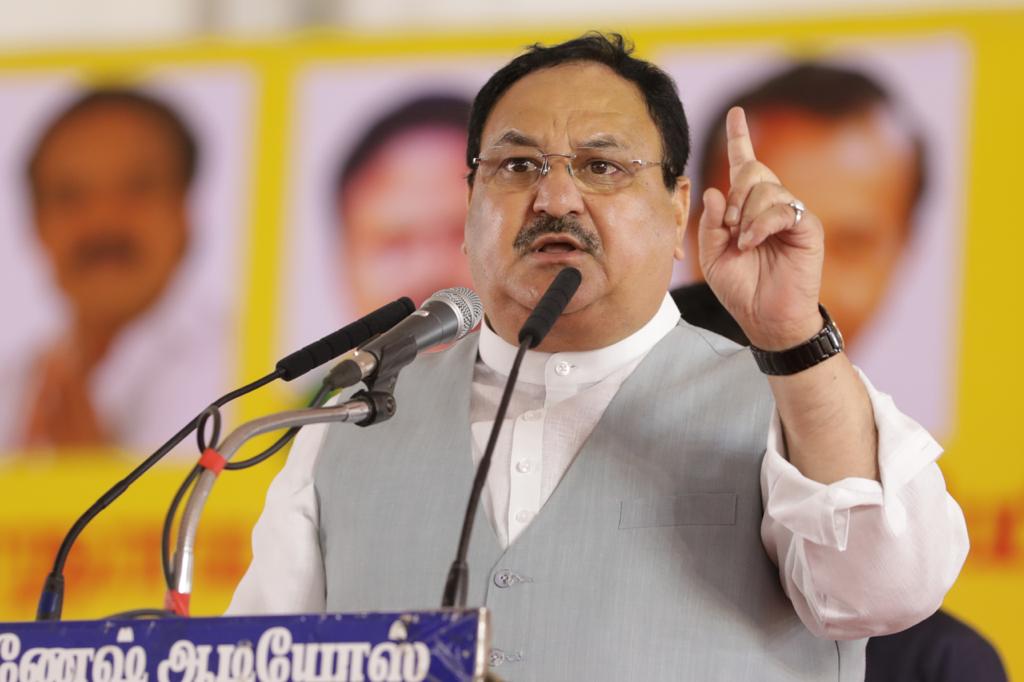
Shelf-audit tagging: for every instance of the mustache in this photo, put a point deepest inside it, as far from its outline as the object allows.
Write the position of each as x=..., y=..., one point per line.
x=547, y=224
x=105, y=249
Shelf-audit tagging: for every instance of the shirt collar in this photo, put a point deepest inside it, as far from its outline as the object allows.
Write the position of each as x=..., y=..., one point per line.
x=582, y=367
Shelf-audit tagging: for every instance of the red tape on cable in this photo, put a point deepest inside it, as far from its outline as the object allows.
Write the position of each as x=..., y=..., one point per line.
x=212, y=460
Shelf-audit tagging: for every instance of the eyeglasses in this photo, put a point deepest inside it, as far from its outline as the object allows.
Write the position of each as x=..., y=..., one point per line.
x=594, y=170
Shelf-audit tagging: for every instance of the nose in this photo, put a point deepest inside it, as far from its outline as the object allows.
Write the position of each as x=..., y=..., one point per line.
x=557, y=192
x=95, y=210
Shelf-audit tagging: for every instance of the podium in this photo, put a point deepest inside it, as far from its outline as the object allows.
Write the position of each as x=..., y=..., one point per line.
x=447, y=645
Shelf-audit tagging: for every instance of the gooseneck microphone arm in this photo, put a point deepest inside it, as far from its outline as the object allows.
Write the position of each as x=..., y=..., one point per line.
x=355, y=410
x=536, y=327
x=51, y=600
x=446, y=316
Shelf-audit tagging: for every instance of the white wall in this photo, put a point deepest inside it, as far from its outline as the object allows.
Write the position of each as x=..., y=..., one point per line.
x=29, y=24
x=600, y=13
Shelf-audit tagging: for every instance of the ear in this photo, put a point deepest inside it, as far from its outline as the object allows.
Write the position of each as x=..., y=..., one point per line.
x=693, y=244
x=465, y=225
x=681, y=213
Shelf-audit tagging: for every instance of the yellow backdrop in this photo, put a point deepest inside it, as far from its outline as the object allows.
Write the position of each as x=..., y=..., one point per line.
x=115, y=565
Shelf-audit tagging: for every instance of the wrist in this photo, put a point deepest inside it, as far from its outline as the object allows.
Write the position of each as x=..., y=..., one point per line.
x=787, y=336
x=816, y=347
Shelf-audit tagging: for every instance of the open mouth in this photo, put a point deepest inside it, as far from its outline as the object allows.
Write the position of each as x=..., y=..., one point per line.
x=556, y=244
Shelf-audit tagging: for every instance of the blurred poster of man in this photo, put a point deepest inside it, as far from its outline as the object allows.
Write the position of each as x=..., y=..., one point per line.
x=109, y=179
x=401, y=203
x=844, y=145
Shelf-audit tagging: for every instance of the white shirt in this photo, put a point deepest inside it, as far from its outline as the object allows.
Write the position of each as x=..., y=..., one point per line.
x=850, y=554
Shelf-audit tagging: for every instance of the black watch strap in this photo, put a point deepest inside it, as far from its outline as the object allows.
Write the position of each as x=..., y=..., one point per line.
x=818, y=348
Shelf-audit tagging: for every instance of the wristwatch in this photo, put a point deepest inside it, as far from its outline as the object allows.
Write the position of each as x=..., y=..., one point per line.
x=818, y=348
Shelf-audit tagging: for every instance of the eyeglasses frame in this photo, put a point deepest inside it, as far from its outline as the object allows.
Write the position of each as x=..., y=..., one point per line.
x=570, y=157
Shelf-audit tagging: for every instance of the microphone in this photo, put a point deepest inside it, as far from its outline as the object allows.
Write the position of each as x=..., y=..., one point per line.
x=331, y=346
x=446, y=316
x=536, y=327
x=550, y=306
x=51, y=599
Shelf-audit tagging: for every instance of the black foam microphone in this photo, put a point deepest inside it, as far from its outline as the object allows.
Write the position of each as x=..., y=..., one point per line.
x=348, y=337
x=550, y=306
x=536, y=327
x=446, y=316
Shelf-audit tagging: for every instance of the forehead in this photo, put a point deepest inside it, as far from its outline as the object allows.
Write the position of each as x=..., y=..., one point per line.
x=426, y=145
x=570, y=103
x=872, y=143
x=105, y=133
x=877, y=126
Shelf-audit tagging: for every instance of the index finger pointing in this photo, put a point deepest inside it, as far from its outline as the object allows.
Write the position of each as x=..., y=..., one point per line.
x=741, y=149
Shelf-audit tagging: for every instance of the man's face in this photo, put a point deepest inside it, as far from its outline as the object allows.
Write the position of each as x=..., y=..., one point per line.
x=628, y=237
x=110, y=210
x=858, y=174
x=403, y=218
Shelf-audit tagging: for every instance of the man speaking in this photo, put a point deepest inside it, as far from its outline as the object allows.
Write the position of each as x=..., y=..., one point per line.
x=663, y=504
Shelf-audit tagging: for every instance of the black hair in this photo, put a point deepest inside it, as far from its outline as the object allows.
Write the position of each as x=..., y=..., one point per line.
x=433, y=110
x=171, y=120
x=612, y=50
x=826, y=91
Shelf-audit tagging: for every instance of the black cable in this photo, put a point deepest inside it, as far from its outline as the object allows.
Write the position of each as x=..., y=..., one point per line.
x=455, y=587
x=144, y=613
x=319, y=399
x=165, y=536
x=210, y=412
x=537, y=325
x=193, y=476
x=50, y=601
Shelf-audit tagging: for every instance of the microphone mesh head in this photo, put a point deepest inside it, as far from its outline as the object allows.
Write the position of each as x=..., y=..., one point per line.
x=466, y=304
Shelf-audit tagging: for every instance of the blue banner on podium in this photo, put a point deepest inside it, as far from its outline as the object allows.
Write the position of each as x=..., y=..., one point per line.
x=446, y=645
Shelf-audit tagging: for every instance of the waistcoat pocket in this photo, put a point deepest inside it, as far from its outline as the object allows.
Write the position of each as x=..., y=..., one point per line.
x=687, y=509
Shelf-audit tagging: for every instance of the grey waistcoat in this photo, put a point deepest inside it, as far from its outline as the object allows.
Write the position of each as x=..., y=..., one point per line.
x=645, y=564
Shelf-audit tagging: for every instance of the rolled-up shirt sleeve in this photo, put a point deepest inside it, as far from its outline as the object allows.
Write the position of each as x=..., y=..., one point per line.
x=861, y=558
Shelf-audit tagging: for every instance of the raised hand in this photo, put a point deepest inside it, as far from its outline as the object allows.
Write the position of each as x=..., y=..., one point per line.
x=763, y=263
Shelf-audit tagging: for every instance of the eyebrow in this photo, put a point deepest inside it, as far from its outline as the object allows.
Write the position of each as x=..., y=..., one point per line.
x=516, y=139
x=601, y=142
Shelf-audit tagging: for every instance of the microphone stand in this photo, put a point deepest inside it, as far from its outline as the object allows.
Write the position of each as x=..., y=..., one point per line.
x=51, y=600
x=354, y=410
x=372, y=405
x=457, y=583
x=536, y=327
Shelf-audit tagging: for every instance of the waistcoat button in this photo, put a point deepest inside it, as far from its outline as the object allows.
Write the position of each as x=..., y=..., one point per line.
x=506, y=578
x=503, y=578
x=498, y=657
